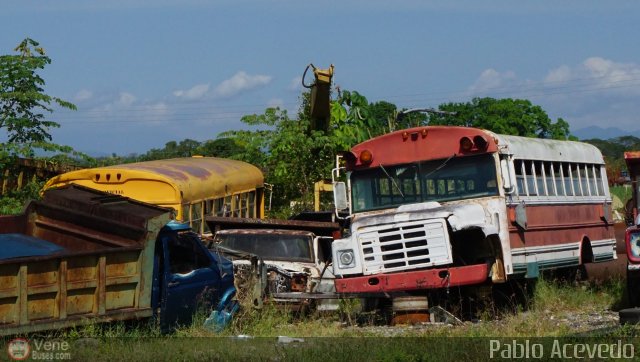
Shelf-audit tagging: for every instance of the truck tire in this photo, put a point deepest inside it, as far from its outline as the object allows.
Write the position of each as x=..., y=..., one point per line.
x=629, y=316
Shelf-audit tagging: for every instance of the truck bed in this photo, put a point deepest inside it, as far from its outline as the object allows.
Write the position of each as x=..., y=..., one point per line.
x=76, y=257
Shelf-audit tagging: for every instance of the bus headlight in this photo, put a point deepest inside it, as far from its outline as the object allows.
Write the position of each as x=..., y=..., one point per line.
x=634, y=245
x=346, y=259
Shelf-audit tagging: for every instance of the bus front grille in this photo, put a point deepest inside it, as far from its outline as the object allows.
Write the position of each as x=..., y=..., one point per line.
x=405, y=246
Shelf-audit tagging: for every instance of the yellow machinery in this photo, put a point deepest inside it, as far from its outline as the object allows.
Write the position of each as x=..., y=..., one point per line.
x=318, y=187
x=320, y=96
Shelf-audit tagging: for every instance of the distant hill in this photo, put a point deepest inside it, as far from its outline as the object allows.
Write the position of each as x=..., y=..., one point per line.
x=592, y=132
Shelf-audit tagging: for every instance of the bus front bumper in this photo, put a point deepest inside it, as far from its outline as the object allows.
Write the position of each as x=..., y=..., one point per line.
x=414, y=280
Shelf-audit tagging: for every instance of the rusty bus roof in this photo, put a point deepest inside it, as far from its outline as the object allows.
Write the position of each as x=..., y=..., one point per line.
x=190, y=178
x=632, y=156
x=529, y=148
x=438, y=142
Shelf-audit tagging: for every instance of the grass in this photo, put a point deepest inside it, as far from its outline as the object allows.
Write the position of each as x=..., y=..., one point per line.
x=623, y=193
x=253, y=334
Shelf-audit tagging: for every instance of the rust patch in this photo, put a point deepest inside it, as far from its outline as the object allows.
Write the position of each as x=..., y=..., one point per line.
x=409, y=318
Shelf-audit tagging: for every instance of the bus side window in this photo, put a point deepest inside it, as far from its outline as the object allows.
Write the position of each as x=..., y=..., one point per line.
x=559, y=182
x=597, y=170
x=568, y=183
x=252, y=204
x=186, y=213
x=549, y=178
x=227, y=207
x=540, y=178
x=196, y=217
x=585, y=179
x=575, y=178
x=531, y=178
x=520, y=175
x=208, y=207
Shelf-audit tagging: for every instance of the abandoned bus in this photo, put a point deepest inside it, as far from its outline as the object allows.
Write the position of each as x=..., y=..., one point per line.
x=439, y=206
x=194, y=187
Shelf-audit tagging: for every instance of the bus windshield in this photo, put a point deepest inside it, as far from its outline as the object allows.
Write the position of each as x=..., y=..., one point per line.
x=455, y=178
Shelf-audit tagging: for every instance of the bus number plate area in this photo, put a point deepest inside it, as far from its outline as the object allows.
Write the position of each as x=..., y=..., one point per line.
x=405, y=246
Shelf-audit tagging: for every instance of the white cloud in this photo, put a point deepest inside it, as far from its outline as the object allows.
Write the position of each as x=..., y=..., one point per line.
x=83, y=95
x=560, y=74
x=240, y=82
x=125, y=108
x=596, y=91
x=491, y=79
x=155, y=112
x=196, y=92
x=296, y=84
x=598, y=74
x=125, y=100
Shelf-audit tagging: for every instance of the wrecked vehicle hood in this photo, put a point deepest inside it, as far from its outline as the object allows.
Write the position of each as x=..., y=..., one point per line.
x=458, y=216
x=287, y=267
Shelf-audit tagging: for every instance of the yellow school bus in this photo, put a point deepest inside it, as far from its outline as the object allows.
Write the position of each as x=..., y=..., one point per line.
x=194, y=186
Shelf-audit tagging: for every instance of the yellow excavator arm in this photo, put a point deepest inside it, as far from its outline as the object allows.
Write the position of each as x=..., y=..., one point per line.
x=320, y=96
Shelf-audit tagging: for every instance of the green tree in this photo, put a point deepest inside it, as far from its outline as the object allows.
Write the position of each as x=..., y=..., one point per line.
x=173, y=149
x=23, y=103
x=291, y=155
x=221, y=147
x=24, y=127
x=506, y=116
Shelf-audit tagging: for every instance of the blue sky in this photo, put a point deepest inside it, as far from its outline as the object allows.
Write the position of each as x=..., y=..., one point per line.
x=143, y=73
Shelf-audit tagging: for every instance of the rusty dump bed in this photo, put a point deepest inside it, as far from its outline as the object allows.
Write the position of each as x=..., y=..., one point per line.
x=319, y=228
x=77, y=255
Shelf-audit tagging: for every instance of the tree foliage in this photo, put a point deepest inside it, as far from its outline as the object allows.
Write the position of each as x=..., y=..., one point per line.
x=613, y=151
x=24, y=122
x=291, y=155
x=505, y=116
x=23, y=103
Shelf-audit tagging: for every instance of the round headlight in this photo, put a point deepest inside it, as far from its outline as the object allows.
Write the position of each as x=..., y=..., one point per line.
x=634, y=242
x=346, y=258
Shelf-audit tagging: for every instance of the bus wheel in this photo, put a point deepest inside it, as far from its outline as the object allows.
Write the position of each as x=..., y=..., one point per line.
x=629, y=316
x=633, y=288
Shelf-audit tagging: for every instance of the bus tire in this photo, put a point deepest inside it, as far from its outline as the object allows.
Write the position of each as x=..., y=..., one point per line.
x=629, y=316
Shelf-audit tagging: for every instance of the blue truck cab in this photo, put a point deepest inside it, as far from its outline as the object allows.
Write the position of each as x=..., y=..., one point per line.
x=187, y=276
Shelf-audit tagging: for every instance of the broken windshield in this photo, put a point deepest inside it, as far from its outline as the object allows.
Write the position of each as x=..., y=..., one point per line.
x=449, y=179
x=269, y=246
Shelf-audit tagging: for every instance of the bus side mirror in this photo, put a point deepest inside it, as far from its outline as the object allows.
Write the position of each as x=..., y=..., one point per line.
x=508, y=176
x=340, y=196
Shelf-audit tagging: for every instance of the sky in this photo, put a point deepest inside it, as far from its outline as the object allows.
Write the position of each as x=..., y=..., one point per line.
x=146, y=72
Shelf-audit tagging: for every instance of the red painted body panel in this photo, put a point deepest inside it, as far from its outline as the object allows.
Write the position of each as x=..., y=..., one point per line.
x=420, y=143
x=420, y=279
x=557, y=224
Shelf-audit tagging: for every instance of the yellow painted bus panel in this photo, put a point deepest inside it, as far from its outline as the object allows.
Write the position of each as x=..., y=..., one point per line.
x=170, y=183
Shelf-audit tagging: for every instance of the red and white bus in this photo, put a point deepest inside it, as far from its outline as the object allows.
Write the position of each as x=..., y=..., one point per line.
x=438, y=206
x=632, y=235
